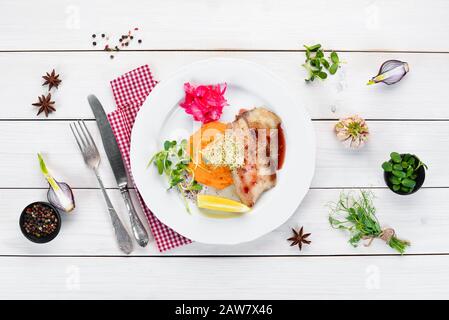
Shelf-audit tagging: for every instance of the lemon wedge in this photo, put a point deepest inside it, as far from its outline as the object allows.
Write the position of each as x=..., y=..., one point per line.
x=220, y=204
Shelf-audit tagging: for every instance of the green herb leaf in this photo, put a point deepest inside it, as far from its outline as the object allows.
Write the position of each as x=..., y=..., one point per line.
x=397, y=167
x=396, y=157
x=395, y=180
x=307, y=55
x=196, y=187
x=160, y=166
x=408, y=183
x=334, y=57
x=324, y=63
x=399, y=174
x=387, y=166
x=313, y=48
x=322, y=75
x=333, y=68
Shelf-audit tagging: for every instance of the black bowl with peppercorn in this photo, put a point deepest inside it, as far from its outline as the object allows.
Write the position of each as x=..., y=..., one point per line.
x=40, y=222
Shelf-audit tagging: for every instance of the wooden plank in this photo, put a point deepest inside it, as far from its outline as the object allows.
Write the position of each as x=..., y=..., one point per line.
x=225, y=278
x=416, y=97
x=335, y=165
x=420, y=218
x=232, y=24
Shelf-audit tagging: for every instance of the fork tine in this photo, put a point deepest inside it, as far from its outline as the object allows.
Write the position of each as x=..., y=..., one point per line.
x=92, y=141
x=80, y=136
x=76, y=138
x=83, y=133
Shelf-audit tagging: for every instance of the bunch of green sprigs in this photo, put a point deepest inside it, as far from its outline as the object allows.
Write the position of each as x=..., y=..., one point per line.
x=357, y=215
x=317, y=65
x=173, y=161
x=403, y=171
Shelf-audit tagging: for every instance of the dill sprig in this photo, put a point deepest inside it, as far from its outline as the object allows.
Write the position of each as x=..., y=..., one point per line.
x=357, y=215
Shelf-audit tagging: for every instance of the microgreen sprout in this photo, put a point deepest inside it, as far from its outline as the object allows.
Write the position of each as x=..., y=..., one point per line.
x=317, y=65
x=357, y=215
x=173, y=161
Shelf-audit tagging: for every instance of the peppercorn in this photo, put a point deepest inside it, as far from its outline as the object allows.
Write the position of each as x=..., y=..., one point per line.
x=102, y=35
x=132, y=37
x=112, y=56
x=94, y=43
x=40, y=221
x=94, y=35
x=139, y=41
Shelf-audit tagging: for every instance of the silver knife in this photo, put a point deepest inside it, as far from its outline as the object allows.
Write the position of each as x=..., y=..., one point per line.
x=116, y=162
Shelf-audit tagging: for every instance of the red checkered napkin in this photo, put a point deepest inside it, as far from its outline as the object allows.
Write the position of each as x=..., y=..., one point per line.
x=130, y=91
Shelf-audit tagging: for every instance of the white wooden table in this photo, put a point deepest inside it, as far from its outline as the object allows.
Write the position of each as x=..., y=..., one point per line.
x=412, y=116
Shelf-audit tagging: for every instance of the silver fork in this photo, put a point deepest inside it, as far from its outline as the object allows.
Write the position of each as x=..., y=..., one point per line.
x=92, y=158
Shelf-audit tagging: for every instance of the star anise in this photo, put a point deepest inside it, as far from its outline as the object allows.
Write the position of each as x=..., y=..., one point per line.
x=52, y=79
x=299, y=238
x=45, y=105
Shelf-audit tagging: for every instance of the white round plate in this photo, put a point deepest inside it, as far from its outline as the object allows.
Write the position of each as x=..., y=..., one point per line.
x=248, y=85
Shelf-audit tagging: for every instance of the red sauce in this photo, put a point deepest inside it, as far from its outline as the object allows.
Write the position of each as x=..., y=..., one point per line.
x=281, y=147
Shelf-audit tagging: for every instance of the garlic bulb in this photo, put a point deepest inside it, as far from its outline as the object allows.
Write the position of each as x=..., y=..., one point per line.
x=352, y=131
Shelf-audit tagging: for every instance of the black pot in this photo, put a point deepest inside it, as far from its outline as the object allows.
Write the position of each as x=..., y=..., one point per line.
x=419, y=179
x=47, y=238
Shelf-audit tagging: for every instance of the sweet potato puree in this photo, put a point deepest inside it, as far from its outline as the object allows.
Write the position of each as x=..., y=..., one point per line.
x=213, y=176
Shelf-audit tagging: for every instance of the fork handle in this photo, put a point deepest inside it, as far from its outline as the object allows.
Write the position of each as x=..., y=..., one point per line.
x=140, y=234
x=124, y=240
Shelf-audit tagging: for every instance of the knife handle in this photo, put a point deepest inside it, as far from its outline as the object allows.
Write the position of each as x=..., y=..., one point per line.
x=140, y=233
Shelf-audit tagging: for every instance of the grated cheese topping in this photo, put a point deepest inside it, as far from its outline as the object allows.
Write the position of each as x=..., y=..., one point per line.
x=225, y=150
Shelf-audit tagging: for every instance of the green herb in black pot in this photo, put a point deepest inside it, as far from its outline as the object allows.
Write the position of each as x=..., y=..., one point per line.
x=404, y=173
